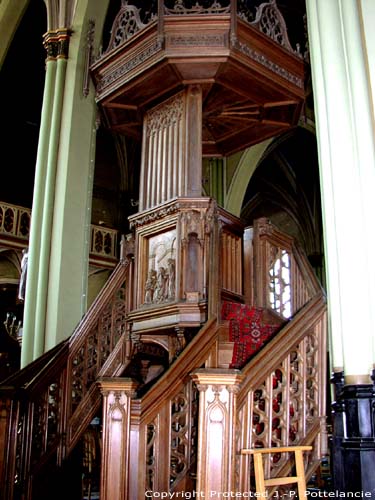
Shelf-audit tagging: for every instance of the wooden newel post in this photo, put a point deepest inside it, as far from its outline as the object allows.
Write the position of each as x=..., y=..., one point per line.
x=117, y=394
x=217, y=430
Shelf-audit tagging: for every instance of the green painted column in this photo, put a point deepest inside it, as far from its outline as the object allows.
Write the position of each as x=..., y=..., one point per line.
x=346, y=145
x=37, y=213
x=70, y=236
x=56, y=293
x=47, y=217
x=217, y=179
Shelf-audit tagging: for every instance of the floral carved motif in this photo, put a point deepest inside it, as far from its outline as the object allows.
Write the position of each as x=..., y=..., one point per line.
x=126, y=24
x=154, y=215
x=129, y=65
x=179, y=8
x=264, y=61
x=165, y=115
x=198, y=40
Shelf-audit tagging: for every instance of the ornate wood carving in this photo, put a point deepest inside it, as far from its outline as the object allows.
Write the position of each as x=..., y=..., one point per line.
x=253, y=87
x=269, y=20
x=127, y=23
x=278, y=398
x=217, y=424
x=171, y=159
x=179, y=8
x=115, y=469
x=219, y=40
x=267, y=63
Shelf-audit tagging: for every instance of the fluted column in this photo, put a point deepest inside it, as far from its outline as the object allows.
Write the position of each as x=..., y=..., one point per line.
x=38, y=266
x=61, y=40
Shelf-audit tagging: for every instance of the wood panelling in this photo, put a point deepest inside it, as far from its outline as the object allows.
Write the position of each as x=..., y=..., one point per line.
x=253, y=87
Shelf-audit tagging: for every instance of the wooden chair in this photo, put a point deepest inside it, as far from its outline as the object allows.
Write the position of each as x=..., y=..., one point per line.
x=261, y=482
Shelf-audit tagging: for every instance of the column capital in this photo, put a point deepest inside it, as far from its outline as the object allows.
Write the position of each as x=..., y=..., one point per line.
x=56, y=43
x=216, y=377
x=115, y=384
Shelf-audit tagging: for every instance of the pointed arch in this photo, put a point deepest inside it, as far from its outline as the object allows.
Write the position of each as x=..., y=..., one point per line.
x=245, y=169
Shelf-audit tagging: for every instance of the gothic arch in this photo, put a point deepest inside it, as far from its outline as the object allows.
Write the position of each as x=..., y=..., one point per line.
x=241, y=178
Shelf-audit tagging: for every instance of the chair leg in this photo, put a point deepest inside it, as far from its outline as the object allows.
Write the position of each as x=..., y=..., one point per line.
x=259, y=474
x=300, y=469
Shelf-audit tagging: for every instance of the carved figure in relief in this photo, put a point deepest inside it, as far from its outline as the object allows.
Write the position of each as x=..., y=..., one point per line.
x=171, y=279
x=24, y=262
x=150, y=286
x=161, y=286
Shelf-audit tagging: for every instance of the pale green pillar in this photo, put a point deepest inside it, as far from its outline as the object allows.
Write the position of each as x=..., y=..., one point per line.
x=27, y=353
x=345, y=136
x=48, y=208
x=56, y=294
x=70, y=237
x=217, y=173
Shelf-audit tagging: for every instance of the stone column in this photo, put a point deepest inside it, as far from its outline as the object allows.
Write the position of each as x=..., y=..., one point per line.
x=61, y=41
x=345, y=132
x=27, y=354
x=216, y=431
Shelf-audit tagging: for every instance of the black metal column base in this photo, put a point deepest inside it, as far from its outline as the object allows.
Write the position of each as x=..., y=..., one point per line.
x=353, y=440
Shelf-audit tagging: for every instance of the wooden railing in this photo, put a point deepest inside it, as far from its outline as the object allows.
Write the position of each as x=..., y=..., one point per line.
x=277, y=399
x=267, y=19
x=14, y=224
x=15, y=232
x=46, y=406
x=282, y=395
x=161, y=438
x=173, y=435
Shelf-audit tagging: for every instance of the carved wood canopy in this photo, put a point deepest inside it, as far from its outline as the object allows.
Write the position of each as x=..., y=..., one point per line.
x=252, y=87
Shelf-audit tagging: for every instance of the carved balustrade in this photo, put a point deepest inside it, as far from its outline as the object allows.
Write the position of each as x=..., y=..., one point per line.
x=103, y=245
x=278, y=398
x=14, y=225
x=15, y=232
x=160, y=429
x=267, y=18
x=47, y=405
x=31, y=422
x=282, y=397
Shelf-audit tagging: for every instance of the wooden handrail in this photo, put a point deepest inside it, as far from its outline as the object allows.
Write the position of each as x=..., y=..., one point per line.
x=153, y=415
x=281, y=400
x=96, y=308
x=191, y=358
x=38, y=414
x=271, y=355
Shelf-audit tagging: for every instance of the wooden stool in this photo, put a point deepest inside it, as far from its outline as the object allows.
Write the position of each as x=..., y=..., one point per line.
x=261, y=483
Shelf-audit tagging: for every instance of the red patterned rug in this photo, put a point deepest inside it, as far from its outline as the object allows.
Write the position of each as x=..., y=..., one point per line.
x=249, y=329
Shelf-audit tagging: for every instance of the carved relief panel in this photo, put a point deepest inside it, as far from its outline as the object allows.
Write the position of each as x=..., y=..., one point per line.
x=160, y=280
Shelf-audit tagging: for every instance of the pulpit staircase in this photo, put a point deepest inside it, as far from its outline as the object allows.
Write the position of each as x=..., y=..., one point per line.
x=184, y=433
